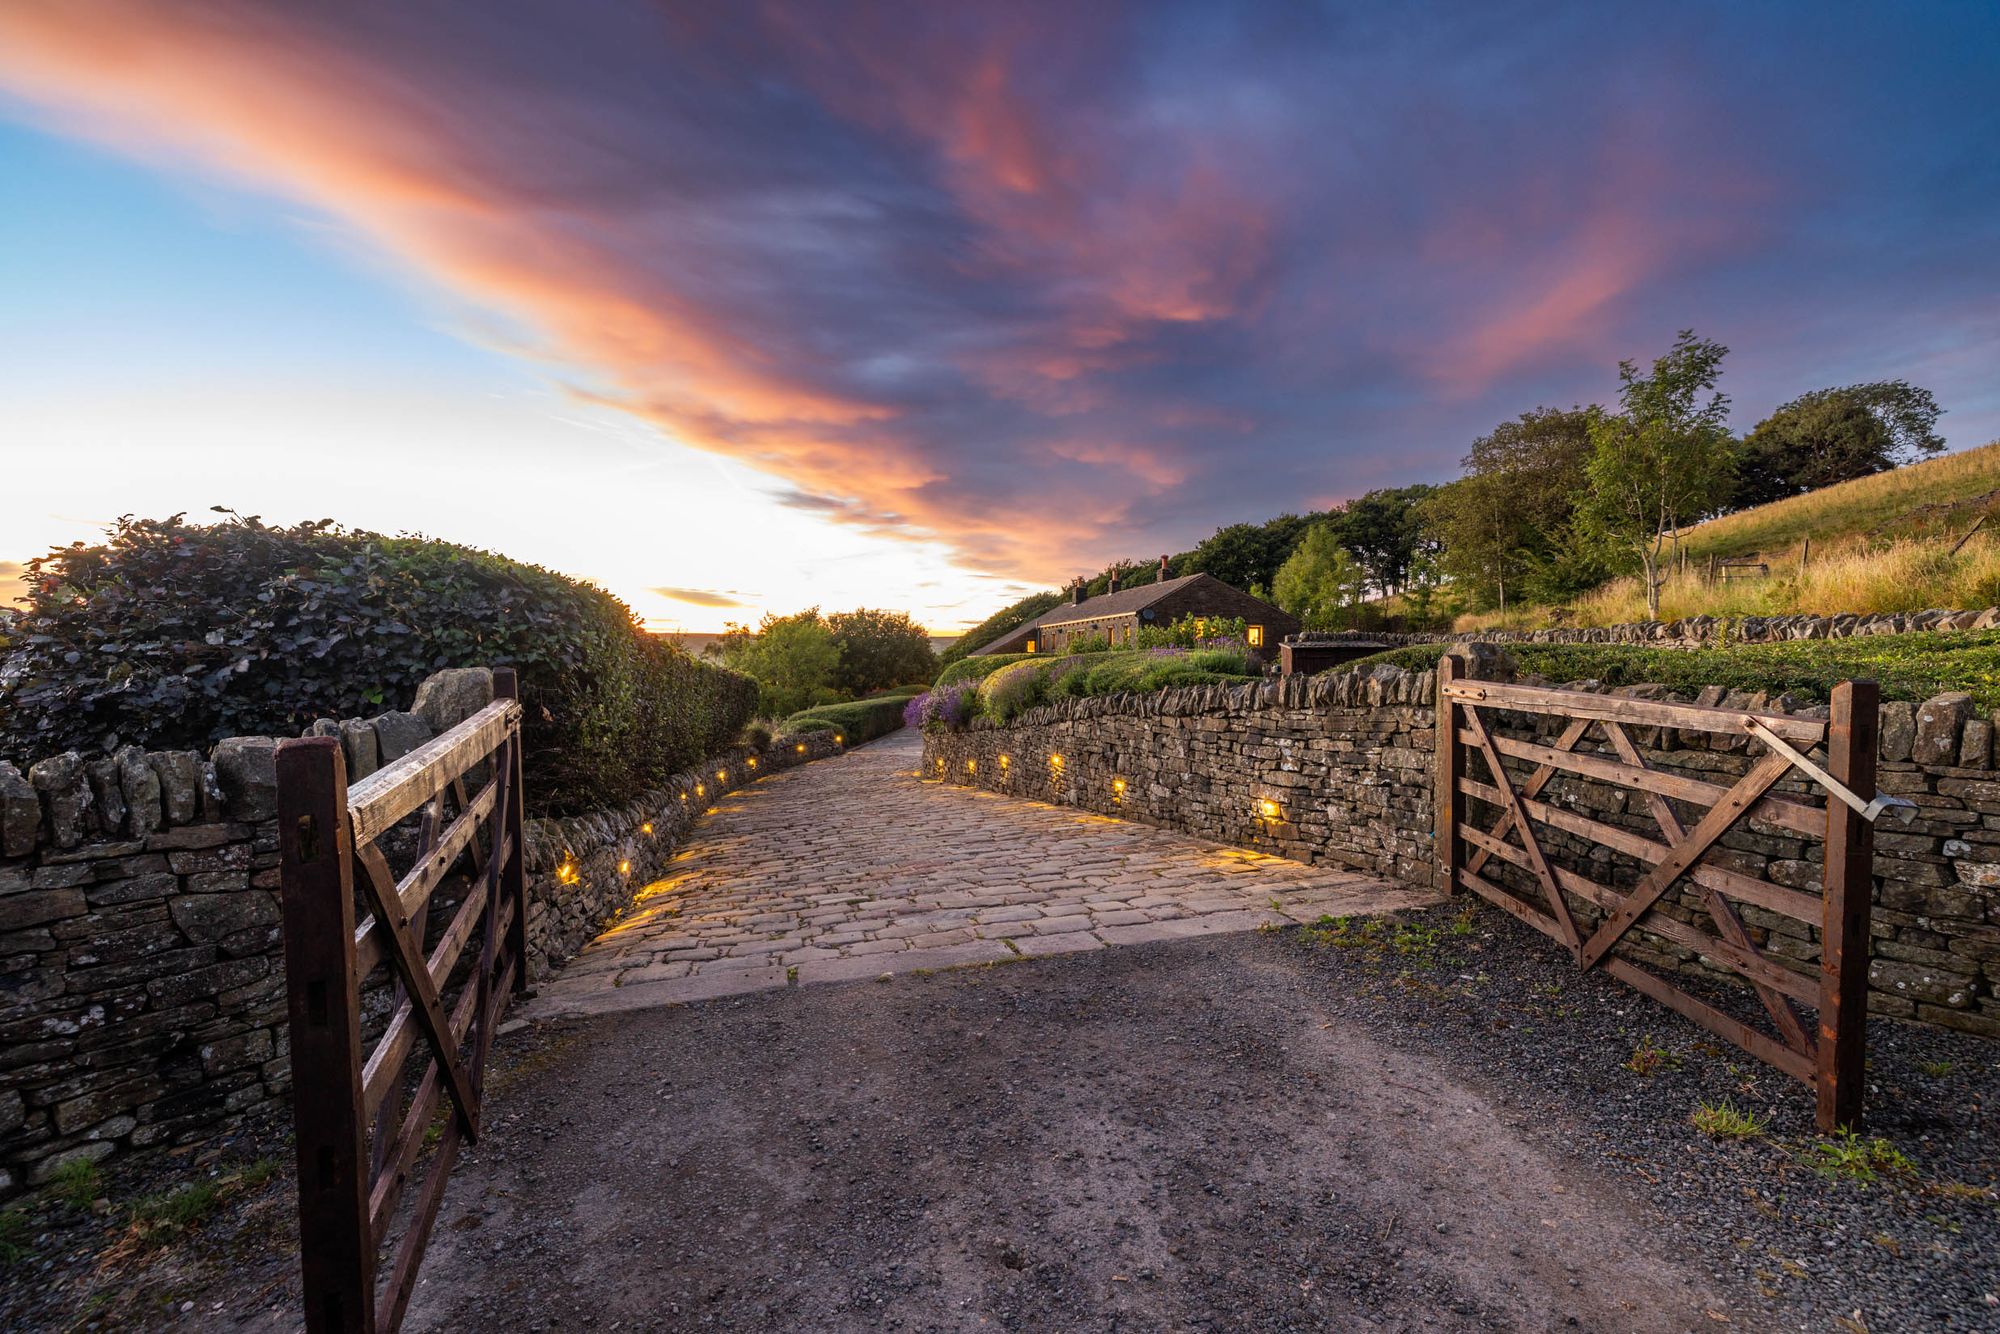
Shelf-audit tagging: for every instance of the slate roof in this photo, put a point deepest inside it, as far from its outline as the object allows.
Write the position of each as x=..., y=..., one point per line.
x=1122, y=603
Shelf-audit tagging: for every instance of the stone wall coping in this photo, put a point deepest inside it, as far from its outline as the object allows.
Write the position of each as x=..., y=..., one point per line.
x=1692, y=629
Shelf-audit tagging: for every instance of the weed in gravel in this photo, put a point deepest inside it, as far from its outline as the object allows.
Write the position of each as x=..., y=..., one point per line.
x=1724, y=1120
x=160, y=1217
x=14, y=1230
x=1960, y=1190
x=1649, y=1058
x=77, y=1183
x=1409, y=939
x=1846, y=1154
x=259, y=1173
x=1935, y=1069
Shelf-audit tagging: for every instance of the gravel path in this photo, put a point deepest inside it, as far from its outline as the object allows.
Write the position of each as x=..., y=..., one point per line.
x=1173, y=1136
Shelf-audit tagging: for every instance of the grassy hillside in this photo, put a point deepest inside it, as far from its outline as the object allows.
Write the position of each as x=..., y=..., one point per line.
x=1878, y=544
x=1937, y=498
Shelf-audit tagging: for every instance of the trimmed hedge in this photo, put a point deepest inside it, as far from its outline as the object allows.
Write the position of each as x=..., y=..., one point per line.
x=1909, y=666
x=175, y=635
x=979, y=668
x=856, y=720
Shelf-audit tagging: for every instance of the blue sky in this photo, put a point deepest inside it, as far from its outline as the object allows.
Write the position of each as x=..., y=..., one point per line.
x=747, y=308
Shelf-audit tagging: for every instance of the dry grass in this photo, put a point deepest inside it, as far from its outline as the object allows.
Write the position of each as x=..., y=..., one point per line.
x=1925, y=500
x=1854, y=576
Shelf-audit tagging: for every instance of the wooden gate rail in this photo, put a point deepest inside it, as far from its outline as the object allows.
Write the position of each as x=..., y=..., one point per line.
x=359, y=1141
x=1828, y=1059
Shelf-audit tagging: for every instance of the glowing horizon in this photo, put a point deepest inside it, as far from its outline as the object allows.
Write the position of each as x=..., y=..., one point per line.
x=749, y=310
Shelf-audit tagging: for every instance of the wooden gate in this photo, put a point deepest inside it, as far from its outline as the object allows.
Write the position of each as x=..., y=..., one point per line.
x=362, y=1128
x=1829, y=1060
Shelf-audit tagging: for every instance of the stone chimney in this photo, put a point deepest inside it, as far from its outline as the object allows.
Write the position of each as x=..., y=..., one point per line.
x=1166, y=571
x=1116, y=575
x=1077, y=591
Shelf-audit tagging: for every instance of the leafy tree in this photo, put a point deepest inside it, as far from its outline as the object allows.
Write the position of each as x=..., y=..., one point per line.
x=1385, y=532
x=1666, y=460
x=793, y=659
x=1243, y=554
x=1836, y=435
x=1320, y=583
x=1505, y=522
x=879, y=649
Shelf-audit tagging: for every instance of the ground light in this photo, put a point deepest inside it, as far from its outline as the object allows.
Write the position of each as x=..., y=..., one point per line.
x=646, y=828
x=1005, y=761
x=1268, y=809
x=567, y=874
x=971, y=765
x=752, y=761
x=624, y=868
x=1118, y=789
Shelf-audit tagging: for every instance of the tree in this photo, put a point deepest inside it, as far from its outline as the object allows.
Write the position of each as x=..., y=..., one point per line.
x=878, y=649
x=1507, y=522
x=1385, y=532
x=1320, y=583
x=999, y=623
x=793, y=659
x=1243, y=554
x=1836, y=435
x=1666, y=460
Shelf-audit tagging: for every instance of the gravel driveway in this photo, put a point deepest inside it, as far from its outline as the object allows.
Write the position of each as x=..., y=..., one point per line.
x=1172, y=1136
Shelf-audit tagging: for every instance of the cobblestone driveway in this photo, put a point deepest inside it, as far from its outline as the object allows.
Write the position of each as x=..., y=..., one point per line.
x=853, y=867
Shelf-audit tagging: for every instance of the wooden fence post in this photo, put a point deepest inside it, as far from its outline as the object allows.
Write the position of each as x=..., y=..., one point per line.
x=336, y=1252
x=513, y=882
x=1450, y=768
x=1849, y=896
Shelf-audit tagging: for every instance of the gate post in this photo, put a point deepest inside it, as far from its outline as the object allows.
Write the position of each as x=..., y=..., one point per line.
x=316, y=867
x=1838, y=1080
x=1450, y=801
x=513, y=881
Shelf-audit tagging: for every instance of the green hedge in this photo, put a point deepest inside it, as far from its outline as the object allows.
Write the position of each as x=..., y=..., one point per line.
x=1020, y=685
x=856, y=720
x=1909, y=667
x=172, y=634
x=978, y=668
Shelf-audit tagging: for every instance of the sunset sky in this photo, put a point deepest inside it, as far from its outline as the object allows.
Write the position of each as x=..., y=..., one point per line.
x=738, y=307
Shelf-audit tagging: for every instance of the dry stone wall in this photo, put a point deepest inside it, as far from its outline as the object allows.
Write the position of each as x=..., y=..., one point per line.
x=1344, y=761
x=142, y=993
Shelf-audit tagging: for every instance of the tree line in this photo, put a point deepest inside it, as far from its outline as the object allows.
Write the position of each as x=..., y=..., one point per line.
x=807, y=659
x=1557, y=500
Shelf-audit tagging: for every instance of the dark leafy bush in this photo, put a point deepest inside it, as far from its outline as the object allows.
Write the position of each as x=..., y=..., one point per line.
x=856, y=720
x=172, y=634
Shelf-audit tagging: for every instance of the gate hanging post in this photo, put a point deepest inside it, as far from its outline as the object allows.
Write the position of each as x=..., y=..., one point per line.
x=316, y=866
x=1849, y=895
x=1450, y=799
x=513, y=882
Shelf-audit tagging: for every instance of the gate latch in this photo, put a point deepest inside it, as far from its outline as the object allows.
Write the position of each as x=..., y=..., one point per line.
x=1905, y=810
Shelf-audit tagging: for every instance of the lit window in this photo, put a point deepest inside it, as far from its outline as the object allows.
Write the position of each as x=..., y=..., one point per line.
x=1031, y=646
x=1256, y=636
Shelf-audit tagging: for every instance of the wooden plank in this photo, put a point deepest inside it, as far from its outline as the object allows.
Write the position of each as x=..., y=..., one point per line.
x=1450, y=762
x=1685, y=854
x=409, y=1141
x=385, y=1062
x=1780, y=811
x=1761, y=971
x=1727, y=924
x=1519, y=907
x=414, y=890
x=424, y=1001
x=1623, y=709
x=1747, y=889
x=1715, y=1021
x=1537, y=780
x=337, y=1265
x=1529, y=843
x=1839, y=1079
x=514, y=868
x=377, y=802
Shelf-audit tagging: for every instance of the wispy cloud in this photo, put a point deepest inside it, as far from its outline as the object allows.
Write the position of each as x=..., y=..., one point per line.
x=701, y=597
x=1051, y=283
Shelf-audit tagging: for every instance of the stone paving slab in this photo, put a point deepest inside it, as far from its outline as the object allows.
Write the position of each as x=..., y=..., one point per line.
x=855, y=867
